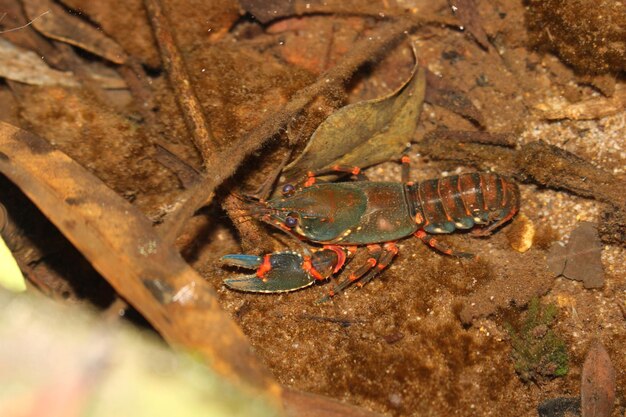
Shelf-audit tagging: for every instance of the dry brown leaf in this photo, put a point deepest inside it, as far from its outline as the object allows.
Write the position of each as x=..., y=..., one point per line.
x=52, y=21
x=440, y=93
x=597, y=387
x=18, y=64
x=580, y=259
x=366, y=133
x=557, y=254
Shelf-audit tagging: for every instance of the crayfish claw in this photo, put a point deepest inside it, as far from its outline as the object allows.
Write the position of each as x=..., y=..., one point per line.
x=277, y=272
x=242, y=260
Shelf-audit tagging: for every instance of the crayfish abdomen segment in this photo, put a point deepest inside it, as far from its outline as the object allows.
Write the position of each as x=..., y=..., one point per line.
x=462, y=201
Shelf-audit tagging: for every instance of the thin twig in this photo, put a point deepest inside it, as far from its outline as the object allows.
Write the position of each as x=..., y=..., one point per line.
x=22, y=26
x=366, y=50
x=179, y=79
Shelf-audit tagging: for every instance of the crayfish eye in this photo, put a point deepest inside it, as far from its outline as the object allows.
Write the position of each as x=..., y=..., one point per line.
x=291, y=221
x=288, y=190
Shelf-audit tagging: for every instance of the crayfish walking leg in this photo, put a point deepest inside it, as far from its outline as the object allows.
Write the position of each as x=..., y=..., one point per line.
x=379, y=259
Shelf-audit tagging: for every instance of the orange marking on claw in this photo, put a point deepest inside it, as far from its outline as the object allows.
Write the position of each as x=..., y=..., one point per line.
x=405, y=159
x=356, y=171
x=265, y=267
x=308, y=267
x=341, y=256
x=309, y=182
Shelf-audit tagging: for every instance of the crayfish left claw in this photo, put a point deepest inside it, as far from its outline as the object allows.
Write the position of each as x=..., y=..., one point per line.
x=242, y=260
x=277, y=272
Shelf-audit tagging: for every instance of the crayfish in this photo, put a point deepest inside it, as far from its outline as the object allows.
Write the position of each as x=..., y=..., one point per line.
x=342, y=216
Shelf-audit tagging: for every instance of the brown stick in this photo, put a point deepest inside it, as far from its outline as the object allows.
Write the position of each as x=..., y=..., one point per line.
x=179, y=79
x=366, y=50
x=121, y=244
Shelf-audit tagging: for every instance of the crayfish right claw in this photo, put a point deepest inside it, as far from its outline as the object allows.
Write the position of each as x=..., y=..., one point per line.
x=277, y=272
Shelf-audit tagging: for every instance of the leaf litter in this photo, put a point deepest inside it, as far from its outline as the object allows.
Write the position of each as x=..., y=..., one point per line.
x=580, y=259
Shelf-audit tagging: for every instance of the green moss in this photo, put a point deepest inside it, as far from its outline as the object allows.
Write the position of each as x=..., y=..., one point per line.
x=538, y=352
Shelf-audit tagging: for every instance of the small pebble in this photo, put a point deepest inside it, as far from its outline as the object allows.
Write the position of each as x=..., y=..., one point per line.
x=521, y=233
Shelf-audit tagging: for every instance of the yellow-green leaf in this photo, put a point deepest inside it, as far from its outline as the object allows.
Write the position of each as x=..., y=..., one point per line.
x=365, y=133
x=11, y=277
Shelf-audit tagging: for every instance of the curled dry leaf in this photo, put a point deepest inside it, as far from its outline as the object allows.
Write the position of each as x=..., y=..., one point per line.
x=597, y=386
x=18, y=64
x=440, y=93
x=366, y=133
x=580, y=259
x=61, y=26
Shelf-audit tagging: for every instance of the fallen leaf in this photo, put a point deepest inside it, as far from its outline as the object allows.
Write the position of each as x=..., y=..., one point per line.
x=440, y=93
x=22, y=65
x=119, y=18
x=557, y=255
x=597, y=387
x=365, y=133
x=580, y=259
x=61, y=26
